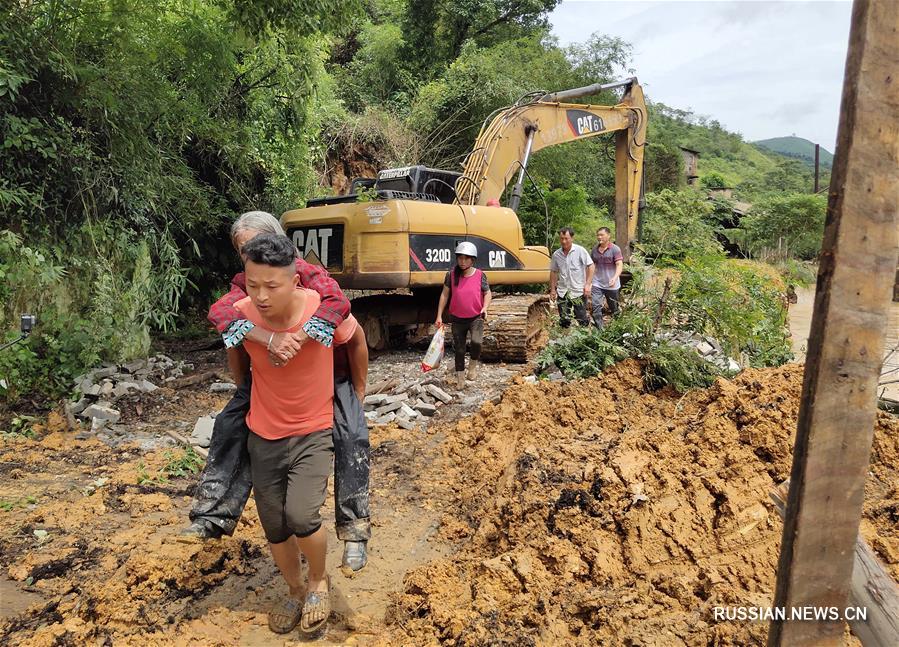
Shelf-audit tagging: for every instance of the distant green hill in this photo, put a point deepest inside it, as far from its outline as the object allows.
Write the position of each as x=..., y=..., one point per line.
x=796, y=147
x=725, y=158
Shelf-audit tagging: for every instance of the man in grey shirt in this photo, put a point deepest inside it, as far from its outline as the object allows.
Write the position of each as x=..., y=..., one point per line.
x=570, y=276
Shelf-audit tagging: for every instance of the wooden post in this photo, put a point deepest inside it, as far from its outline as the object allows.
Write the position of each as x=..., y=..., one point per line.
x=838, y=409
x=872, y=588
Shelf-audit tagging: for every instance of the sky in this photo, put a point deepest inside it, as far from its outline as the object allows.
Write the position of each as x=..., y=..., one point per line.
x=761, y=68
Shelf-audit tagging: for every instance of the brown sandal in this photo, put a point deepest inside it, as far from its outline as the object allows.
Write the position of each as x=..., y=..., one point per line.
x=285, y=615
x=317, y=602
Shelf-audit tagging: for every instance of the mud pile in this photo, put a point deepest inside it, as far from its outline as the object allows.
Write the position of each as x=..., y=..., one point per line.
x=592, y=512
x=96, y=545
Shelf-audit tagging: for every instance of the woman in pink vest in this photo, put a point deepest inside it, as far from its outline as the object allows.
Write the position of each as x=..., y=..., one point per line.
x=466, y=290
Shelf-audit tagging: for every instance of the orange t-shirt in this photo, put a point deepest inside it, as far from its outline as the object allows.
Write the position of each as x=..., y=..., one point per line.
x=298, y=398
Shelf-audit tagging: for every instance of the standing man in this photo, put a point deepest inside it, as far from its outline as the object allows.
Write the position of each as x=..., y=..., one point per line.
x=224, y=485
x=570, y=277
x=609, y=263
x=291, y=418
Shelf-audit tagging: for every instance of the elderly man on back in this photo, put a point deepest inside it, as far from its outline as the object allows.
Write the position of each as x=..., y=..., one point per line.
x=570, y=277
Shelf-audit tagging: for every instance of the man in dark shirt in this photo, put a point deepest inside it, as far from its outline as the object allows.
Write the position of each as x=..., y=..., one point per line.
x=609, y=263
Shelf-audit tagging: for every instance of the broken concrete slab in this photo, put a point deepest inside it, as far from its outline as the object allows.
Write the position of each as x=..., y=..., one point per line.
x=106, y=371
x=424, y=408
x=375, y=400
x=81, y=405
x=101, y=412
x=135, y=365
x=93, y=389
x=390, y=407
x=202, y=433
x=704, y=348
x=122, y=388
x=408, y=412
x=405, y=424
x=147, y=386
x=439, y=393
x=399, y=397
x=386, y=419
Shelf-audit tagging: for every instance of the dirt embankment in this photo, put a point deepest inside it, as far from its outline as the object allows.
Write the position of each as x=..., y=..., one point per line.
x=595, y=513
x=586, y=513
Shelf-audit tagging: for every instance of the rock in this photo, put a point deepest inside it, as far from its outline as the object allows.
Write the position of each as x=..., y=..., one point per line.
x=530, y=379
x=122, y=388
x=93, y=389
x=390, y=407
x=222, y=387
x=101, y=412
x=732, y=366
x=439, y=393
x=106, y=371
x=86, y=384
x=386, y=419
x=146, y=386
x=558, y=376
x=405, y=424
x=399, y=397
x=704, y=348
x=134, y=366
x=424, y=408
x=202, y=433
x=371, y=415
x=106, y=388
x=81, y=405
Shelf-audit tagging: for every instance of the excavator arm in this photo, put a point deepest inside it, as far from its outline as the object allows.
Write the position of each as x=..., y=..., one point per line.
x=507, y=141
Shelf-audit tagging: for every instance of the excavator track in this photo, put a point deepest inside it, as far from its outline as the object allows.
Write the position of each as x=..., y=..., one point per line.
x=516, y=327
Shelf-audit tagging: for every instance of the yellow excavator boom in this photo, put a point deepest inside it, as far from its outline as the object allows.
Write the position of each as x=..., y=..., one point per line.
x=507, y=141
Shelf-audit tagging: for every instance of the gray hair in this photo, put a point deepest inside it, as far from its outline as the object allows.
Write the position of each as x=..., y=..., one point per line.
x=258, y=221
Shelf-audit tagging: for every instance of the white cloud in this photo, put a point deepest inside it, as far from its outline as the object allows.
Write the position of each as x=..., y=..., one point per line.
x=761, y=68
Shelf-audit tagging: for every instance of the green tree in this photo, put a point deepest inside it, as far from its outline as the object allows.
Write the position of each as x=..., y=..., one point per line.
x=792, y=224
x=678, y=226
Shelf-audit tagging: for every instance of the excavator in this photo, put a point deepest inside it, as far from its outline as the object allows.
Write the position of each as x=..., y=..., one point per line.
x=396, y=233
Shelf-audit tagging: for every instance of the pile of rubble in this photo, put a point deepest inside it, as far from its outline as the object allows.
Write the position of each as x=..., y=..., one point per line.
x=405, y=402
x=707, y=348
x=99, y=389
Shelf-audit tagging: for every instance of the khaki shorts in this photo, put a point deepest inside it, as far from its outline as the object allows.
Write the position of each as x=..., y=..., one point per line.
x=290, y=482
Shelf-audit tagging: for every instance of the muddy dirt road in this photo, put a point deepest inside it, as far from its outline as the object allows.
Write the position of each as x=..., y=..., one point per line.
x=581, y=513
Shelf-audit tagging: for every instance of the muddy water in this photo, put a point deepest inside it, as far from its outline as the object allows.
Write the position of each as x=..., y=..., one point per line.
x=801, y=321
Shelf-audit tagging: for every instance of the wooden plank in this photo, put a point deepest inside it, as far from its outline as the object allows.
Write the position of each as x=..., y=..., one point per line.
x=872, y=588
x=837, y=413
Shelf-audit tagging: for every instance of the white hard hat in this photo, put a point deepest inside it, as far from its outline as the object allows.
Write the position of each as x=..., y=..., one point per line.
x=467, y=248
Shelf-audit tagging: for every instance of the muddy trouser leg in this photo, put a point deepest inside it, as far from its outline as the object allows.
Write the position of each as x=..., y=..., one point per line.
x=564, y=305
x=580, y=312
x=477, y=338
x=460, y=332
x=225, y=483
x=351, y=464
x=612, y=298
x=597, y=297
